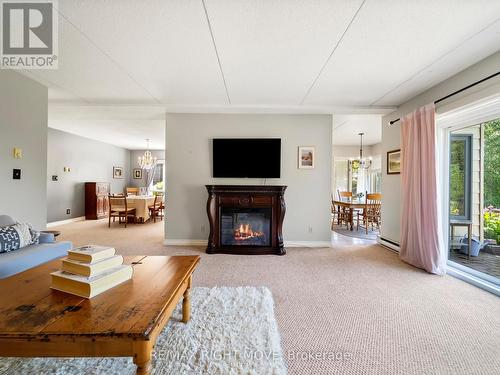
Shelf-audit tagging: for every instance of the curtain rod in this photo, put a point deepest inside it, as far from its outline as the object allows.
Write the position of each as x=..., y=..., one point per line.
x=456, y=92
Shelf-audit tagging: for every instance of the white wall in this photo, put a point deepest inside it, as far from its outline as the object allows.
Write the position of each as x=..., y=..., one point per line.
x=90, y=161
x=188, y=145
x=23, y=124
x=391, y=184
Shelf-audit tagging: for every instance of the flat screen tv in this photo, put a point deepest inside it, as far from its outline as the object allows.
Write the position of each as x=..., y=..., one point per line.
x=247, y=157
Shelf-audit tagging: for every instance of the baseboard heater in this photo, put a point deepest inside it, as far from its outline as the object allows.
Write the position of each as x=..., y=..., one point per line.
x=388, y=243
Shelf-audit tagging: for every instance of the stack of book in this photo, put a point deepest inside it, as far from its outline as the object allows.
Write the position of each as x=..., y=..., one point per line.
x=90, y=270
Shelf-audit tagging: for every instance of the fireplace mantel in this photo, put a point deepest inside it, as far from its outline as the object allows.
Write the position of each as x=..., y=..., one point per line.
x=250, y=197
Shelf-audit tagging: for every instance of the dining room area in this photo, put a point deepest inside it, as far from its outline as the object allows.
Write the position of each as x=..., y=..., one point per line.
x=356, y=198
x=140, y=201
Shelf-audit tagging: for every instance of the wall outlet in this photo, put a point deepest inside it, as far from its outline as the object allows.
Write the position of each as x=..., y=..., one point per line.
x=310, y=229
x=68, y=211
x=55, y=178
x=16, y=174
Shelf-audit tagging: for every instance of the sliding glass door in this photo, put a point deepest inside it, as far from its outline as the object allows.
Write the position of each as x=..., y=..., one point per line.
x=474, y=198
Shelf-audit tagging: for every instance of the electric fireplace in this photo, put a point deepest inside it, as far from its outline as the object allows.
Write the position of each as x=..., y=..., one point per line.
x=245, y=226
x=246, y=219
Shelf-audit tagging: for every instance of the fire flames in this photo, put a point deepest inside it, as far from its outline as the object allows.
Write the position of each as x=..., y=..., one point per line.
x=245, y=232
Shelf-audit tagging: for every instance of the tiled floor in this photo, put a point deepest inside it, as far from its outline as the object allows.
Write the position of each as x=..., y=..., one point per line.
x=361, y=233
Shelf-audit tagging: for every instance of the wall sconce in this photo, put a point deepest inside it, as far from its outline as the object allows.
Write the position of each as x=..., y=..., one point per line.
x=17, y=153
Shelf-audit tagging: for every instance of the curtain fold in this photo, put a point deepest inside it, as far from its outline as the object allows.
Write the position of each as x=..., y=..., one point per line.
x=421, y=241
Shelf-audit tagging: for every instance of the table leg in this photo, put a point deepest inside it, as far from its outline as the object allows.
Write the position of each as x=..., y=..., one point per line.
x=186, y=303
x=142, y=357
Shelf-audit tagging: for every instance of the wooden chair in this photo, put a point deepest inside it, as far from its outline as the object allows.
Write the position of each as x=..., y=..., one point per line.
x=344, y=214
x=118, y=209
x=335, y=213
x=371, y=212
x=132, y=191
x=156, y=209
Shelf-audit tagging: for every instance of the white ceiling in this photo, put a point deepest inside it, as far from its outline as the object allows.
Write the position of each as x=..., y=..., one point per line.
x=123, y=126
x=311, y=56
x=346, y=129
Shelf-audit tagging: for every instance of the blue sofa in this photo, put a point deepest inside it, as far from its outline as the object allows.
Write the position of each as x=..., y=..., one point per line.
x=28, y=257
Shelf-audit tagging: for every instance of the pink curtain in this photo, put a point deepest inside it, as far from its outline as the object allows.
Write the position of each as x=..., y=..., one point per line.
x=421, y=244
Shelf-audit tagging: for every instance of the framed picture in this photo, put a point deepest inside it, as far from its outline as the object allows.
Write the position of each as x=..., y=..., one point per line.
x=117, y=172
x=306, y=157
x=137, y=174
x=394, y=162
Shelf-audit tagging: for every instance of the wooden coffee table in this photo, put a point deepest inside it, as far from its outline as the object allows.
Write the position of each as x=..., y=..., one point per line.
x=122, y=322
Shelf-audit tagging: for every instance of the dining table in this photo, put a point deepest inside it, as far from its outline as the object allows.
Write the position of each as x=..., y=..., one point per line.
x=352, y=205
x=141, y=204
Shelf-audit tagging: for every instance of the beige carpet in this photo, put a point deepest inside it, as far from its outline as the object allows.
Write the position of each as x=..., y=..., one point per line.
x=351, y=309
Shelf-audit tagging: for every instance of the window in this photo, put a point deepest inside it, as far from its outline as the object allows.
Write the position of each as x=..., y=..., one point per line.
x=460, y=176
x=159, y=176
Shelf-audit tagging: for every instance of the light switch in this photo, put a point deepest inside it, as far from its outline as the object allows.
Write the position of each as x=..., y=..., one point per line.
x=18, y=153
x=16, y=174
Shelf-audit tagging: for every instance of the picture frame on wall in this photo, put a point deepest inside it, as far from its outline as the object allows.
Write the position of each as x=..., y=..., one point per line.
x=306, y=157
x=137, y=173
x=118, y=172
x=394, y=162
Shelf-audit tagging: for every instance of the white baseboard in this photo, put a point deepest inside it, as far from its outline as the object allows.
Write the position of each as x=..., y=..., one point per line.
x=389, y=245
x=68, y=221
x=188, y=242
x=308, y=244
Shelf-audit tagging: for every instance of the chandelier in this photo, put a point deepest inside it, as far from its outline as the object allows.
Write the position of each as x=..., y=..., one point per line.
x=147, y=161
x=360, y=162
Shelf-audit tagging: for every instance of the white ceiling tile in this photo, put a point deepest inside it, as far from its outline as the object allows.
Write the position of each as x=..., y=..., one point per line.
x=479, y=47
x=346, y=129
x=391, y=40
x=86, y=72
x=271, y=51
x=161, y=51
x=164, y=45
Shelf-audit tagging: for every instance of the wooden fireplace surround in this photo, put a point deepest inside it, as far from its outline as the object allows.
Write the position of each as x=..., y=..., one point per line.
x=246, y=196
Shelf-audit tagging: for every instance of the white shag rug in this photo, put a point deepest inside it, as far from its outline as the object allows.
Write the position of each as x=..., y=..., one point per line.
x=231, y=331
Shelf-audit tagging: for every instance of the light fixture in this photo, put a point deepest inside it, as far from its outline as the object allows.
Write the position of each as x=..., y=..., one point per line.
x=360, y=162
x=147, y=161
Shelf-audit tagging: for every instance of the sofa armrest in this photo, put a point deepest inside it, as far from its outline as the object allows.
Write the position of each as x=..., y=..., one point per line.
x=47, y=237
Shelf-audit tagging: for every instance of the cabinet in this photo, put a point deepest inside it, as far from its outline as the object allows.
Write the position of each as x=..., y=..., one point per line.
x=96, y=200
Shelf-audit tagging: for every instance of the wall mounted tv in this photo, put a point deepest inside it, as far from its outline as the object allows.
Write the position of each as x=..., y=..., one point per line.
x=247, y=157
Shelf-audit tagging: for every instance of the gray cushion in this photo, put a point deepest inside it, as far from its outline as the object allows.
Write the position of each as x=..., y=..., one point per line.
x=20, y=260
x=6, y=220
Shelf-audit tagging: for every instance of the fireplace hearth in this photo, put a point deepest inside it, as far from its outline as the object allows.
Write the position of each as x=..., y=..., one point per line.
x=246, y=219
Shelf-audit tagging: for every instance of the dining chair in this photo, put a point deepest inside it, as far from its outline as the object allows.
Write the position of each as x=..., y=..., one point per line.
x=156, y=209
x=345, y=214
x=371, y=212
x=334, y=212
x=118, y=209
x=132, y=191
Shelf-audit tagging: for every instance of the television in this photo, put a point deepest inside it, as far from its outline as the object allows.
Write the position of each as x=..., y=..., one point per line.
x=247, y=157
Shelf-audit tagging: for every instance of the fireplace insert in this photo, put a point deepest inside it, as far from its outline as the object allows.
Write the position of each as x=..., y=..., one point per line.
x=246, y=219
x=245, y=226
